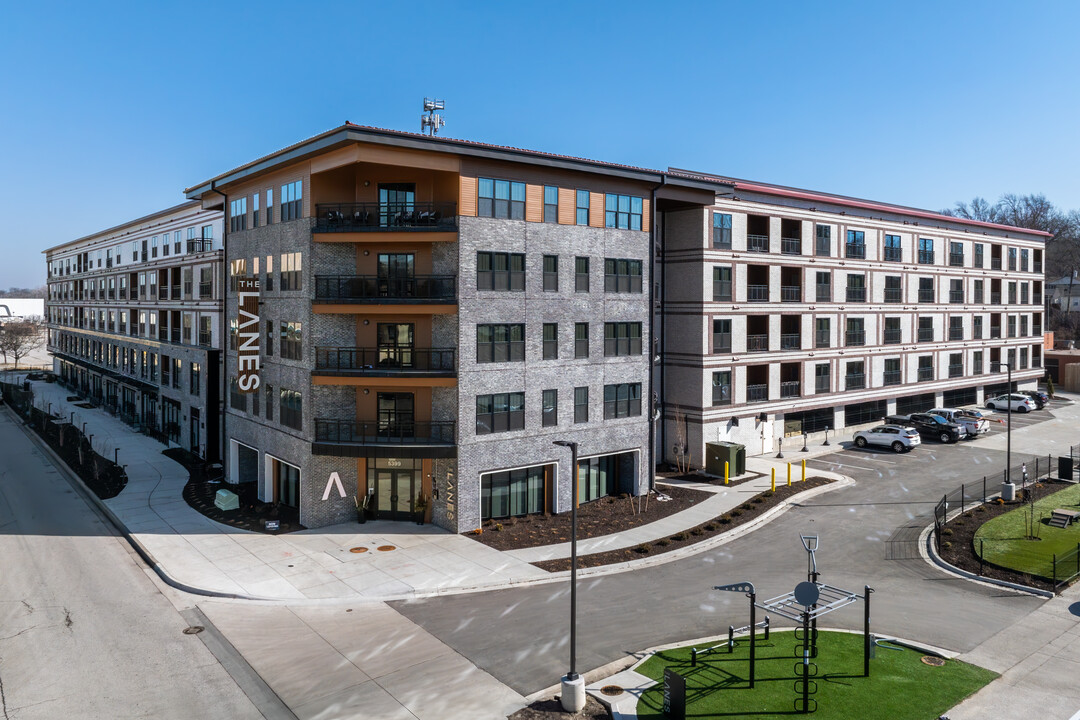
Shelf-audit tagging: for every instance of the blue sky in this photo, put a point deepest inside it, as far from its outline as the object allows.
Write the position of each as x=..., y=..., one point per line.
x=111, y=109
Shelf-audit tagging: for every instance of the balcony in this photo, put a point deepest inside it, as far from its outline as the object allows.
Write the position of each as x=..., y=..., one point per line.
x=894, y=295
x=790, y=341
x=198, y=246
x=995, y=263
x=821, y=384
x=757, y=293
x=926, y=374
x=790, y=389
x=956, y=371
x=757, y=343
x=855, y=338
x=956, y=333
x=822, y=339
x=995, y=298
x=926, y=257
x=956, y=297
x=893, y=254
x=757, y=243
x=892, y=336
x=824, y=292
x=855, y=251
x=396, y=433
x=926, y=334
x=856, y=294
x=374, y=289
x=926, y=296
x=890, y=377
x=386, y=217
x=1036, y=266
x=995, y=332
x=757, y=393
x=386, y=361
x=855, y=381
x=956, y=259
x=791, y=246
x=790, y=293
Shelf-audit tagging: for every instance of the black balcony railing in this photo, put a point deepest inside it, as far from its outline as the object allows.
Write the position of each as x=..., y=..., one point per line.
x=856, y=294
x=824, y=292
x=204, y=339
x=926, y=334
x=956, y=371
x=395, y=360
x=956, y=333
x=995, y=263
x=790, y=293
x=790, y=341
x=995, y=332
x=1036, y=266
x=200, y=245
x=892, y=336
x=376, y=217
x=926, y=374
x=392, y=432
x=926, y=257
x=790, y=389
x=995, y=298
x=855, y=251
x=370, y=288
x=757, y=293
x=926, y=296
x=822, y=339
x=893, y=254
x=791, y=246
x=757, y=343
x=855, y=337
x=956, y=297
x=890, y=377
x=855, y=381
x=757, y=243
x=721, y=342
x=821, y=384
x=757, y=393
x=956, y=259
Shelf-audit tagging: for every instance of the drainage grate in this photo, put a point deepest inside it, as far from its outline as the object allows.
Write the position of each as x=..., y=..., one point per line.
x=933, y=661
x=193, y=630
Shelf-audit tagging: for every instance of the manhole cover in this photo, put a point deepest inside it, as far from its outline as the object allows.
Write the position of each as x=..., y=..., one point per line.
x=934, y=661
x=386, y=548
x=611, y=690
x=193, y=630
x=358, y=549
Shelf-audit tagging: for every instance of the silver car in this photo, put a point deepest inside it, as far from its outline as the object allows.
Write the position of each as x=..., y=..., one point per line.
x=896, y=437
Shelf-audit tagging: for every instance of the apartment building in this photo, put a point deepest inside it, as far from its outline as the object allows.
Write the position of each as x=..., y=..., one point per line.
x=431, y=315
x=134, y=323
x=788, y=311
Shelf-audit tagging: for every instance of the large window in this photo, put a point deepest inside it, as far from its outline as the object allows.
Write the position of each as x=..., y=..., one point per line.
x=195, y=382
x=581, y=274
x=512, y=493
x=926, y=251
x=623, y=212
x=622, y=276
x=926, y=329
x=623, y=400
x=292, y=197
x=856, y=244
x=500, y=199
x=721, y=342
x=237, y=220
x=721, y=387
x=721, y=231
x=582, y=207
x=291, y=413
x=550, y=408
x=823, y=286
x=551, y=273
x=237, y=399
x=500, y=271
x=622, y=338
x=551, y=341
x=856, y=288
x=978, y=262
x=581, y=340
x=721, y=284
x=551, y=204
x=500, y=343
x=290, y=271
x=500, y=412
x=823, y=240
x=892, y=248
x=291, y=341
x=598, y=477
x=581, y=404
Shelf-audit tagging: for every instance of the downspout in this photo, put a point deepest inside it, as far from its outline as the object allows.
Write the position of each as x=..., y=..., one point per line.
x=224, y=452
x=654, y=407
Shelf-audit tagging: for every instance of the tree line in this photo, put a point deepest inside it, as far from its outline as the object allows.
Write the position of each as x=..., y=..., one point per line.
x=18, y=292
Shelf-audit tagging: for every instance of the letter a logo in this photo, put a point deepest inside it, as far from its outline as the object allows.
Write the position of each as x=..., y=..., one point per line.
x=334, y=480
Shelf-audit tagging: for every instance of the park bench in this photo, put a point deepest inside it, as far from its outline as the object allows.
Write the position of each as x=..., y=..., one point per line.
x=1062, y=518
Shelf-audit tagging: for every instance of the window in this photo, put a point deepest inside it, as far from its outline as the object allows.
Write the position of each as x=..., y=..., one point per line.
x=956, y=254
x=501, y=412
x=581, y=274
x=290, y=271
x=892, y=248
x=551, y=273
x=268, y=343
x=978, y=292
x=856, y=332
x=500, y=271
x=581, y=340
x=178, y=367
x=721, y=284
x=822, y=333
x=551, y=341
x=153, y=246
x=1012, y=293
x=856, y=244
x=956, y=328
x=291, y=408
x=237, y=219
x=926, y=251
x=500, y=343
x=176, y=238
x=892, y=331
x=622, y=275
x=926, y=290
x=926, y=329
x=721, y=231
x=856, y=288
x=721, y=388
x=194, y=373
x=166, y=369
x=1023, y=261
x=255, y=210
x=512, y=493
x=1012, y=258
x=977, y=362
x=891, y=375
x=550, y=408
x=1023, y=293
x=823, y=244
x=822, y=382
x=292, y=196
x=1023, y=326
x=926, y=368
x=269, y=402
x=582, y=207
x=622, y=338
x=824, y=287
x=893, y=290
x=185, y=325
x=551, y=204
x=291, y=340
x=623, y=212
x=956, y=291
x=500, y=199
x=978, y=257
x=855, y=379
x=977, y=327
x=581, y=404
x=269, y=273
x=1012, y=326
x=269, y=219
x=237, y=399
x=623, y=400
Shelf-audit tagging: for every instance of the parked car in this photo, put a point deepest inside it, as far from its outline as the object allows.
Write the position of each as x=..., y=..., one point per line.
x=1039, y=398
x=930, y=426
x=897, y=437
x=974, y=425
x=1019, y=403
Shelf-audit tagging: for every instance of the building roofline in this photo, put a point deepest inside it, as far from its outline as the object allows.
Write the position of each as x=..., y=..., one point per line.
x=802, y=194
x=350, y=132
x=145, y=218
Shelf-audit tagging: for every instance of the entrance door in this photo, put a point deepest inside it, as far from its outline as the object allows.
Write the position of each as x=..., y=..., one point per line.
x=396, y=203
x=395, y=491
x=396, y=274
x=395, y=345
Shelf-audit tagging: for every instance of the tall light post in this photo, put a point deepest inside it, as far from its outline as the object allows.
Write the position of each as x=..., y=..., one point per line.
x=573, y=685
x=1008, y=432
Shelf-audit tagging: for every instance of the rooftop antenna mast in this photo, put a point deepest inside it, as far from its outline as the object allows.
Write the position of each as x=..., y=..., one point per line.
x=431, y=122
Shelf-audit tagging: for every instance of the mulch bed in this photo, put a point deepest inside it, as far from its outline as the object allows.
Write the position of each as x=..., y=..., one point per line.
x=552, y=710
x=199, y=493
x=752, y=508
x=600, y=517
x=699, y=478
x=958, y=547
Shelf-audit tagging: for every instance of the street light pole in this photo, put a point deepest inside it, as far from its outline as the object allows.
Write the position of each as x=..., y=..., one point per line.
x=1008, y=431
x=573, y=685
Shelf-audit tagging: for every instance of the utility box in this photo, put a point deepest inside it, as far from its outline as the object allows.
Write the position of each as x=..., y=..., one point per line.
x=226, y=500
x=717, y=453
x=1065, y=468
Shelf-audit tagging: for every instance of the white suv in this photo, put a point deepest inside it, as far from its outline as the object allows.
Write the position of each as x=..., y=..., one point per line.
x=897, y=437
x=1019, y=403
x=973, y=423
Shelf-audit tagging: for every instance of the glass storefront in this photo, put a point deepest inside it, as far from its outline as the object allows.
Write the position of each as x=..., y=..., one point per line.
x=512, y=493
x=598, y=477
x=396, y=483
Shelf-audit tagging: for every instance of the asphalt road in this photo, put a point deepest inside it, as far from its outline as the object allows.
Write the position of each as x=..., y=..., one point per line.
x=84, y=633
x=520, y=636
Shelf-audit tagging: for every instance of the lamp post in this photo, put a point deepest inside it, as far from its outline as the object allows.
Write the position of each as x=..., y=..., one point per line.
x=1008, y=431
x=573, y=685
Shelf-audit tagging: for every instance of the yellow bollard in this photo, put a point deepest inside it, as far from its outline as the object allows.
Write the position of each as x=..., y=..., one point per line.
x=774, y=479
x=804, y=471
x=789, y=474
x=726, y=472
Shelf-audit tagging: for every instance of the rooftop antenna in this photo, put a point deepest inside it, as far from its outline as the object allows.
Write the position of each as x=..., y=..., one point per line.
x=431, y=122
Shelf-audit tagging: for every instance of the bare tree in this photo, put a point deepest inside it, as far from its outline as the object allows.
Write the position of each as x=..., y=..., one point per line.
x=19, y=339
x=682, y=456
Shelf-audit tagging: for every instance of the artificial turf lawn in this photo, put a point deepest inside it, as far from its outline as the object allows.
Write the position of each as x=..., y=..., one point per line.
x=900, y=685
x=1005, y=542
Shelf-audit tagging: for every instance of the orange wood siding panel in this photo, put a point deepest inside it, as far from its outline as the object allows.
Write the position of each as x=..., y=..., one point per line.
x=596, y=209
x=467, y=202
x=534, y=203
x=645, y=215
x=567, y=206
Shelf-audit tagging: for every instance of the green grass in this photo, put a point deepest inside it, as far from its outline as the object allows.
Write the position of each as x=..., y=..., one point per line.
x=1005, y=543
x=900, y=686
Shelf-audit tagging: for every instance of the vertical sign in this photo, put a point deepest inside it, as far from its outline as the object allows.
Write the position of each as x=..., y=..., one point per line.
x=674, y=695
x=247, y=346
x=451, y=498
